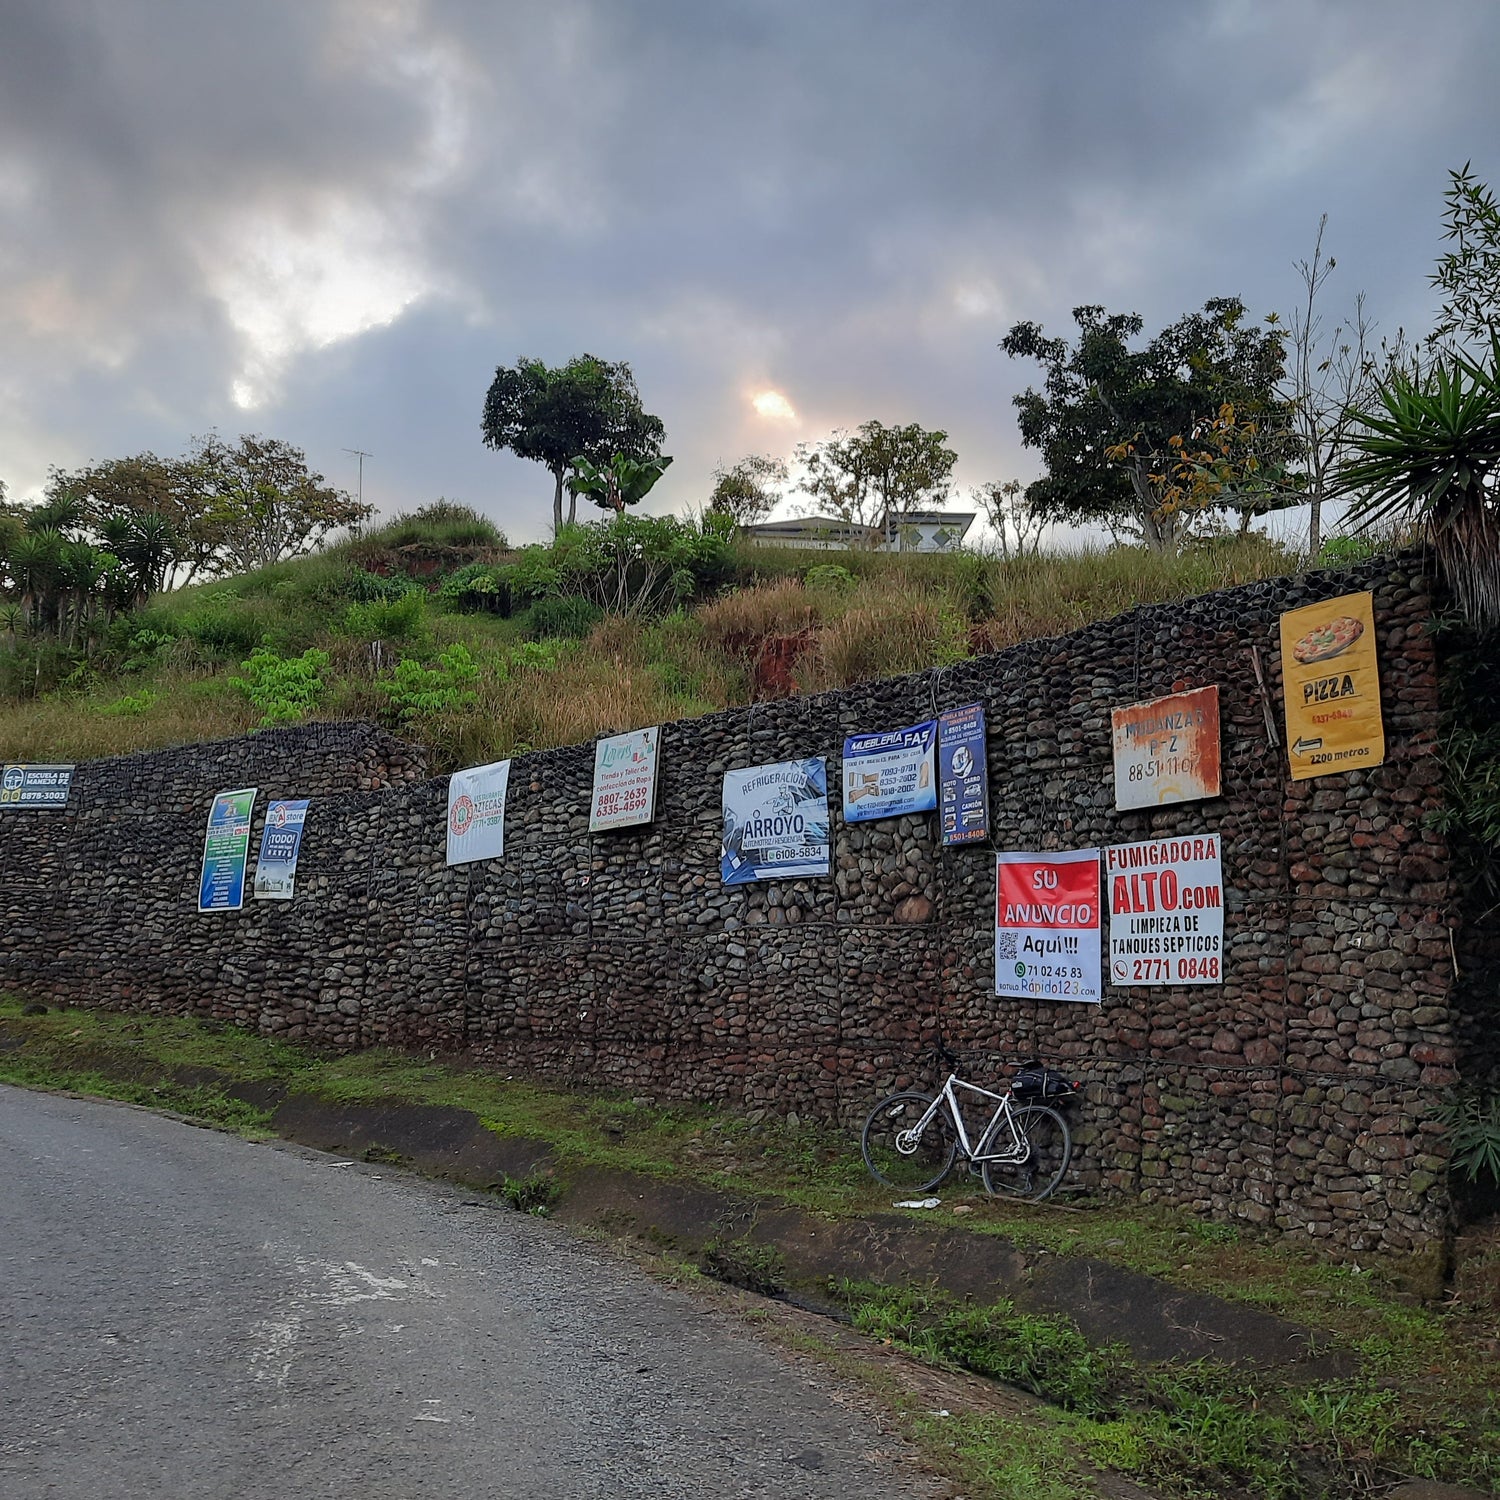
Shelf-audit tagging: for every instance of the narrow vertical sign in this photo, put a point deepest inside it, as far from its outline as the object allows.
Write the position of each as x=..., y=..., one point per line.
x=963, y=777
x=280, y=843
x=226, y=851
x=1332, y=685
x=1047, y=926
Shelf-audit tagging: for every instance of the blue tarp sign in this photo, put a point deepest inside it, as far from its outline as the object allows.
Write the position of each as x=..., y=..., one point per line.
x=890, y=773
x=775, y=822
x=963, y=777
x=280, y=842
x=226, y=851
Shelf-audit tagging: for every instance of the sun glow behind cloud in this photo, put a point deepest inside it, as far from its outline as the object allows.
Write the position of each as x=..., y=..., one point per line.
x=773, y=406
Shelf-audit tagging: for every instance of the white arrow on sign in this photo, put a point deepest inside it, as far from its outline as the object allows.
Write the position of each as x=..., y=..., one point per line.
x=1303, y=746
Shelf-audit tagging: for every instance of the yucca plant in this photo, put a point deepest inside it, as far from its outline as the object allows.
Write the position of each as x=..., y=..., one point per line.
x=1432, y=454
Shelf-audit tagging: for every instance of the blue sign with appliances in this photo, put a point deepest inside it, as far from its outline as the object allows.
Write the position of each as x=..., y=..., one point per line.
x=890, y=773
x=280, y=843
x=963, y=780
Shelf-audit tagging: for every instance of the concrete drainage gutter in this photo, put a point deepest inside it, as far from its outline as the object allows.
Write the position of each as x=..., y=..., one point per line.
x=1155, y=1321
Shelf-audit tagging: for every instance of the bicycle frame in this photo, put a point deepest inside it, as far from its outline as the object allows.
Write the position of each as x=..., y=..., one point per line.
x=948, y=1094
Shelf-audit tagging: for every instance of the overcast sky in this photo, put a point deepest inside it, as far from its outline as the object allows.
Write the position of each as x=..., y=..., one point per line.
x=329, y=220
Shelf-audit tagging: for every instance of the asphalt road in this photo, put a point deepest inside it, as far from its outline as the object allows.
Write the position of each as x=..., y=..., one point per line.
x=185, y=1314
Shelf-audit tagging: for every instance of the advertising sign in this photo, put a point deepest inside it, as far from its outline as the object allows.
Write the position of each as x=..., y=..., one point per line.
x=963, y=778
x=1166, y=911
x=476, y=813
x=23, y=786
x=1332, y=686
x=1167, y=750
x=280, y=843
x=624, y=780
x=890, y=773
x=226, y=851
x=775, y=822
x=1047, y=926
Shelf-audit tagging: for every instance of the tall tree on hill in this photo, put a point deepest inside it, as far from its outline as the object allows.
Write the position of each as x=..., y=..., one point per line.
x=877, y=475
x=587, y=408
x=1107, y=414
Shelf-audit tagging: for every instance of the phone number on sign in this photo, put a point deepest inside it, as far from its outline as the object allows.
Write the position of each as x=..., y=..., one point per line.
x=1168, y=970
x=635, y=799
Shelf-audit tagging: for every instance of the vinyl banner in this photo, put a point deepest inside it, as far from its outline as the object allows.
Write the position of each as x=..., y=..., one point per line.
x=23, y=786
x=963, y=778
x=280, y=843
x=476, y=813
x=624, y=781
x=1167, y=750
x=890, y=773
x=775, y=822
x=226, y=851
x=1047, y=926
x=1332, y=686
x=1166, y=911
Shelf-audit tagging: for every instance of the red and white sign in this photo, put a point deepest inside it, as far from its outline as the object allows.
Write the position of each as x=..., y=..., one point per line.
x=1166, y=911
x=1047, y=926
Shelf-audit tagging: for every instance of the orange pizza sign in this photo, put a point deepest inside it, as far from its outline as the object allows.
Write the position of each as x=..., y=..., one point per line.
x=1332, y=686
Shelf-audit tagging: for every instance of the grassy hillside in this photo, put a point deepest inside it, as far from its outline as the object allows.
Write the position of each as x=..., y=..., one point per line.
x=435, y=627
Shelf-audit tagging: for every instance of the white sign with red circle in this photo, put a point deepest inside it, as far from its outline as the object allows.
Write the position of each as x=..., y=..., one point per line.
x=476, y=813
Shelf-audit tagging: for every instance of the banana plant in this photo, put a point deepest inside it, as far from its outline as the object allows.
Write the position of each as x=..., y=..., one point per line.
x=622, y=481
x=1431, y=453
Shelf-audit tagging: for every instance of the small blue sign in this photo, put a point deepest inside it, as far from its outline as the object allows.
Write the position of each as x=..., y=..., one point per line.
x=280, y=842
x=963, y=778
x=890, y=773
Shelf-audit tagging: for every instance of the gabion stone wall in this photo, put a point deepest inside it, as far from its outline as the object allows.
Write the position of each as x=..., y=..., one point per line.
x=1299, y=1092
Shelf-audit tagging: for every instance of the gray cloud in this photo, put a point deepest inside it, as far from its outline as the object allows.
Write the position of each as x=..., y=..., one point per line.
x=330, y=219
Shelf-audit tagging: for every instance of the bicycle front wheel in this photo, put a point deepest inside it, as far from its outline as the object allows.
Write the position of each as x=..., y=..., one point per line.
x=1036, y=1175
x=896, y=1153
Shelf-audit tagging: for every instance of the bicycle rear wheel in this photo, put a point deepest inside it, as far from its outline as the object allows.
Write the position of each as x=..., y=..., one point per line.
x=897, y=1156
x=1049, y=1148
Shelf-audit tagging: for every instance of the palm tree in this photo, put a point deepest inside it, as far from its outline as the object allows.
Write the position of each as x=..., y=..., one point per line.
x=1433, y=453
x=33, y=563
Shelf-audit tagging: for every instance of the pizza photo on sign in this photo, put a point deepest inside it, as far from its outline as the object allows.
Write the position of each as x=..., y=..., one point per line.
x=1324, y=642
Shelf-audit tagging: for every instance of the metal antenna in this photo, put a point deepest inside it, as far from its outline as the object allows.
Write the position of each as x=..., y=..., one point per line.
x=361, y=455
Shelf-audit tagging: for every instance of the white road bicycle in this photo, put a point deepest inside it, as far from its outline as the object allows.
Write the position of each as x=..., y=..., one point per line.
x=912, y=1140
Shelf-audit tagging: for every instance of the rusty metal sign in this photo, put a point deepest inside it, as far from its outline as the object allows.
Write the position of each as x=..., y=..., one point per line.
x=1167, y=750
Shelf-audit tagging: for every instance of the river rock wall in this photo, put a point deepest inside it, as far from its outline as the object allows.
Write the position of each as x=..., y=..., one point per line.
x=1299, y=1093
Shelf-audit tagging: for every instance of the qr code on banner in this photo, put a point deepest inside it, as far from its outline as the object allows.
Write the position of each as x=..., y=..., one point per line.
x=1005, y=943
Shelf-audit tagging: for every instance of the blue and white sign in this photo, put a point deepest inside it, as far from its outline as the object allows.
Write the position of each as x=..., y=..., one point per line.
x=280, y=842
x=890, y=773
x=775, y=822
x=25, y=786
x=963, y=778
x=226, y=851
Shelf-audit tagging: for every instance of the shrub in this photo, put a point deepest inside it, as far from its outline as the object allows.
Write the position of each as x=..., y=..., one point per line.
x=1345, y=551
x=567, y=617
x=285, y=690
x=478, y=588
x=443, y=523
x=132, y=705
x=225, y=632
x=416, y=691
x=829, y=576
x=372, y=588
x=401, y=619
